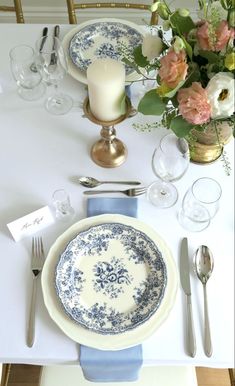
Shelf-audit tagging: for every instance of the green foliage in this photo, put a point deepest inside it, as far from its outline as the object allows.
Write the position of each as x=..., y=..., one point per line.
x=181, y=24
x=151, y=104
x=211, y=56
x=139, y=58
x=180, y=126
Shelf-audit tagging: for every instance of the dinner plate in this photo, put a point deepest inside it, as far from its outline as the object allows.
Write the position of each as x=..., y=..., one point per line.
x=110, y=278
x=78, y=73
x=109, y=275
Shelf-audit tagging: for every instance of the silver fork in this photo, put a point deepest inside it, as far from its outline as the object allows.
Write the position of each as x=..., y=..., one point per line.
x=37, y=261
x=128, y=192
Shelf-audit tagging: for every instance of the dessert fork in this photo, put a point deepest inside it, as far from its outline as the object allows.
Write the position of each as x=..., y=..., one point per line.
x=37, y=261
x=128, y=192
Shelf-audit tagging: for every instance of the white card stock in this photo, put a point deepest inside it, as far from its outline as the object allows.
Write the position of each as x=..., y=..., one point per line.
x=31, y=223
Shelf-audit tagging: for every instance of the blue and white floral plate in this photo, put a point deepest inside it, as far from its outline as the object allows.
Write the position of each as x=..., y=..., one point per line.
x=103, y=39
x=77, y=57
x=109, y=275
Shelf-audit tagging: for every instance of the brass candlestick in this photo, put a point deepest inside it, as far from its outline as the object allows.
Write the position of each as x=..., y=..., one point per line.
x=109, y=151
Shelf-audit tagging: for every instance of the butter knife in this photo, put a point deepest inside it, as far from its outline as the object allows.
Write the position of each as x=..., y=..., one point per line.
x=56, y=35
x=185, y=282
x=44, y=36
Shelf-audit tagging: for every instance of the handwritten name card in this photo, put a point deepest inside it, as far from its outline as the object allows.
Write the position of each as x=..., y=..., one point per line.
x=31, y=223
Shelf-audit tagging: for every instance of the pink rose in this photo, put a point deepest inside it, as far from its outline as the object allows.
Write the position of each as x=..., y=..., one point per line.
x=222, y=36
x=193, y=104
x=173, y=68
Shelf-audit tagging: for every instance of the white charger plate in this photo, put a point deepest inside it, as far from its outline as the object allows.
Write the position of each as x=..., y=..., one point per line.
x=76, y=72
x=89, y=337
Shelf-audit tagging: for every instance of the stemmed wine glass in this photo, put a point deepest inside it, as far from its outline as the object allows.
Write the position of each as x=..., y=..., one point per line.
x=51, y=62
x=170, y=161
x=29, y=83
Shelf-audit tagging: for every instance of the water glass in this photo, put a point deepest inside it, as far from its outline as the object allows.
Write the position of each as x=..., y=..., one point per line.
x=200, y=204
x=63, y=209
x=170, y=162
x=29, y=82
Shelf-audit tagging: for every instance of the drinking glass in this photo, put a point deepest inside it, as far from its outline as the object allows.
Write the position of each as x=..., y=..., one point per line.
x=200, y=204
x=51, y=62
x=29, y=83
x=63, y=209
x=170, y=161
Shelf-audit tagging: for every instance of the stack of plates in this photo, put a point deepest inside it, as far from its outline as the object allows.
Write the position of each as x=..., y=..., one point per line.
x=100, y=38
x=109, y=275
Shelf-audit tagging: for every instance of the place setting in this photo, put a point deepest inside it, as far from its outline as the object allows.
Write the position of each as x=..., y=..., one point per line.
x=118, y=235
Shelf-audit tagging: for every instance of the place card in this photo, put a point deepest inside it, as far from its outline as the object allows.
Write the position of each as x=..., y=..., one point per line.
x=31, y=223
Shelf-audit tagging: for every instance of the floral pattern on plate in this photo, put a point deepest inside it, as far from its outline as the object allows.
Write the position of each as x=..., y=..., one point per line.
x=110, y=278
x=102, y=40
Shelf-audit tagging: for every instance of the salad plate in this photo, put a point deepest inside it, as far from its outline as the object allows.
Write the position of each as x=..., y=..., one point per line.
x=103, y=39
x=80, y=73
x=109, y=275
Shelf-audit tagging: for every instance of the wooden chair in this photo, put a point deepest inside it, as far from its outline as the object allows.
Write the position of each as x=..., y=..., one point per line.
x=4, y=374
x=73, y=7
x=17, y=8
x=149, y=376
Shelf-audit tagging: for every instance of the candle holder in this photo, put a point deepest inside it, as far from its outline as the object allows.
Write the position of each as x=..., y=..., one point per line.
x=108, y=151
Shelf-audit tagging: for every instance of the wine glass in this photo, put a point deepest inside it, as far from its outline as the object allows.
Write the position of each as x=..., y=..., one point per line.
x=29, y=83
x=200, y=204
x=51, y=62
x=170, y=161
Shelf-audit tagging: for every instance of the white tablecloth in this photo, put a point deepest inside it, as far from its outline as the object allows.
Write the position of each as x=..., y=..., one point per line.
x=39, y=153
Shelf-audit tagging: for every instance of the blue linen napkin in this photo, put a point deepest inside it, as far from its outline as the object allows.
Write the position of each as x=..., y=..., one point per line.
x=111, y=366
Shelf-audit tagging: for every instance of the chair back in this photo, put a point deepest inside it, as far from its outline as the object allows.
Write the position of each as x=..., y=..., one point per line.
x=73, y=6
x=17, y=8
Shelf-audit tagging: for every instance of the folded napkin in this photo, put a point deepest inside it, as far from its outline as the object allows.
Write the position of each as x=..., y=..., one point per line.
x=111, y=366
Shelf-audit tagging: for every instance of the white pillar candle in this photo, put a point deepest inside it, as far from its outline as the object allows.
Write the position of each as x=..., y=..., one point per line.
x=106, y=88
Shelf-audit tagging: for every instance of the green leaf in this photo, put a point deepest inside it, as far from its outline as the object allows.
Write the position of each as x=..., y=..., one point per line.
x=172, y=93
x=122, y=103
x=183, y=24
x=151, y=104
x=180, y=126
x=188, y=48
x=194, y=76
x=209, y=55
x=139, y=58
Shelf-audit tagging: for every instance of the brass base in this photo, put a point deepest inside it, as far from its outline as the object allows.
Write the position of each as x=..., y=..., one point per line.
x=108, y=151
x=109, y=154
x=205, y=154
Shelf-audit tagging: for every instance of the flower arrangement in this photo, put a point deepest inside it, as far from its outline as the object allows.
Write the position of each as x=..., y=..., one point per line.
x=194, y=70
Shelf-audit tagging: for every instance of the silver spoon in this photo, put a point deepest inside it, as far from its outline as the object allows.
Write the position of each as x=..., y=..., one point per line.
x=204, y=264
x=90, y=182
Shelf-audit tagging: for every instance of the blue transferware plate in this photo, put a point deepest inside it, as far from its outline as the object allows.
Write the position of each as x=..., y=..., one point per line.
x=103, y=39
x=111, y=278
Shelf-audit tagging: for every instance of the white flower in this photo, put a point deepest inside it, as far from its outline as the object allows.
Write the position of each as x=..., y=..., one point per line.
x=220, y=91
x=151, y=46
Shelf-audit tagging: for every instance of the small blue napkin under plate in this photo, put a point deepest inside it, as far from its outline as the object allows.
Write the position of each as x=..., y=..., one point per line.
x=121, y=365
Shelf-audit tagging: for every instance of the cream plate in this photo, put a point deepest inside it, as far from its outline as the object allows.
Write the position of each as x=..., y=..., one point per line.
x=76, y=72
x=92, y=274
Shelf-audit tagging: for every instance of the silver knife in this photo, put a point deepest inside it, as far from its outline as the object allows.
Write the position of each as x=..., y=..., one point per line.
x=44, y=36
x=185, y=282
x=56, y=35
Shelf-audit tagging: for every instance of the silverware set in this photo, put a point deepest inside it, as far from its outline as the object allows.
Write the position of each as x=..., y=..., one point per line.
x=203, y=265
x=56, y=33
x=90, y=182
